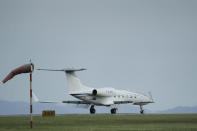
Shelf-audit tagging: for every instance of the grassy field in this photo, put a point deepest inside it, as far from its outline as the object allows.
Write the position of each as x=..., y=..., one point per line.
x=102, y=122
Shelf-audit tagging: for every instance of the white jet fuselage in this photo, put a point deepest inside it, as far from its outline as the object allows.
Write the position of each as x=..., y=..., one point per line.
x=111, y=96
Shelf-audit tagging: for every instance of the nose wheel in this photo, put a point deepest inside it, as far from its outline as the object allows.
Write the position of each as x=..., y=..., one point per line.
x=113, y=110
x=92, y=110
x=141, y=110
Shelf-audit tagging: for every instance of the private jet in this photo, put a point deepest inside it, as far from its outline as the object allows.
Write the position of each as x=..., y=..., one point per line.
x=109, y=97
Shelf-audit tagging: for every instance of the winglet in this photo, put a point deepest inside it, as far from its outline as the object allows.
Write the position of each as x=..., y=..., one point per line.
x=35, y=98
x=150, y=96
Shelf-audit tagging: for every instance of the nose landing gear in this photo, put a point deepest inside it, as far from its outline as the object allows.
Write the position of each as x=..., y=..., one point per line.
x=141, y=110
x=92, y=110
x=113, y=110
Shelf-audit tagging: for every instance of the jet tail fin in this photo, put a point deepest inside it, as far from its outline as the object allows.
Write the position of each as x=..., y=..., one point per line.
x=73, y=82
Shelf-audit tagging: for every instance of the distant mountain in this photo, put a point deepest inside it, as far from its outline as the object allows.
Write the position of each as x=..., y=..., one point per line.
x=9, y=108
x=14, y=108
x=179, y=110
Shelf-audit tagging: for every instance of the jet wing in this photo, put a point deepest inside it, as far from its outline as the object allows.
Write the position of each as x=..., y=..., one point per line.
x=76, y=102
x=68, y=102
x=36, y=99
x=122, y=102
x=142, y=103
x=48, y=102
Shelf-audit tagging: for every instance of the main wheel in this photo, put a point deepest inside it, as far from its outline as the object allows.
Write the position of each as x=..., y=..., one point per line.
x=113, y=111
x=142, y=111
x=92, y=110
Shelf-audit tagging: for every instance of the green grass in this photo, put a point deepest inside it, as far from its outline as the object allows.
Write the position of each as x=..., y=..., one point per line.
x=102, y=122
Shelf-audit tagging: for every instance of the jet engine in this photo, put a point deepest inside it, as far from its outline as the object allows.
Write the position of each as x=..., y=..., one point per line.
x=94, y=92
x=102, y=92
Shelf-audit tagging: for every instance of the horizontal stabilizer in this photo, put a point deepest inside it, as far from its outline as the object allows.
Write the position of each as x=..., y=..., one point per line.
x=65, y=70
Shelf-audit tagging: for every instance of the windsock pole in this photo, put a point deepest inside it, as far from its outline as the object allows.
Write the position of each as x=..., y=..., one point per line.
x=31, y=118
x=27, y=68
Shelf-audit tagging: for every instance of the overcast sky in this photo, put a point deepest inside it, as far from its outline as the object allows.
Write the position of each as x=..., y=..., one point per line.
x=136, y=45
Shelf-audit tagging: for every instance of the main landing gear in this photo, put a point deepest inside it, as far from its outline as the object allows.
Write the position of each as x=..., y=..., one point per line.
x=92, y=110
x=113, y=110
x=141, y=110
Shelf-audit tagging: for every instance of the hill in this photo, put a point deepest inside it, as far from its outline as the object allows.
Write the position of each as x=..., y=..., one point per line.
x=11, y=108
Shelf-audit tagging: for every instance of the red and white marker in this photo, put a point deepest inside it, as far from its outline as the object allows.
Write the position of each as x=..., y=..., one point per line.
x=31, y=110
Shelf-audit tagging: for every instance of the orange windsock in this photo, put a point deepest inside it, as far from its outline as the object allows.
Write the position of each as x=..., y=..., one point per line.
x=27, y=68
